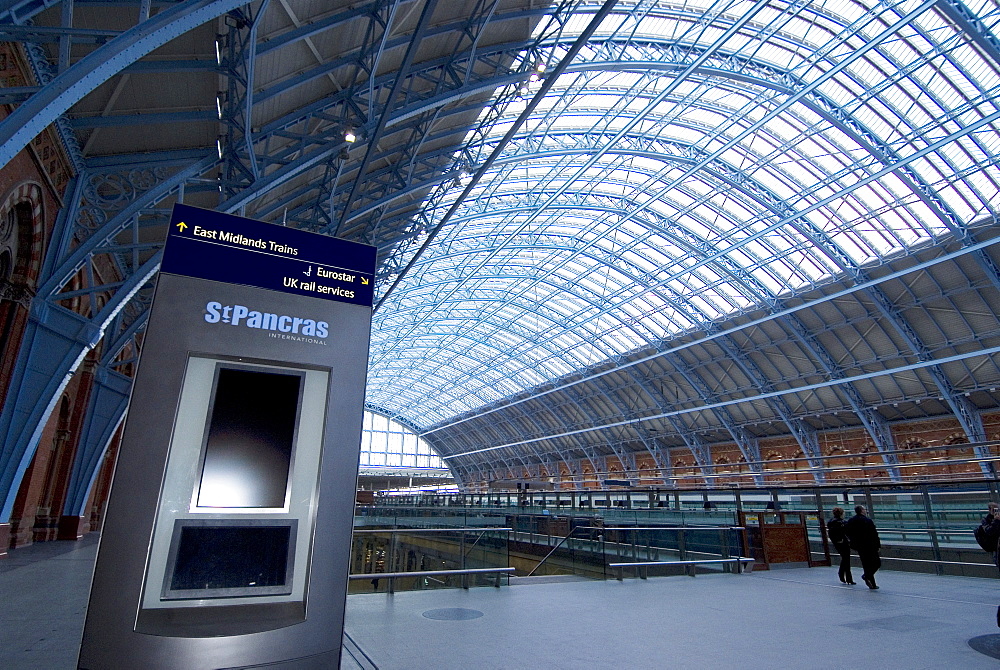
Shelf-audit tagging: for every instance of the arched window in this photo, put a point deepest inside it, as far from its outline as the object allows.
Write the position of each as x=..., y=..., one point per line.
x=388, y=444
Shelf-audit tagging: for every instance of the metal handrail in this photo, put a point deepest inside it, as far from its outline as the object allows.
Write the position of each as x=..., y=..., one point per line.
x=927, y=560
x=359, y=531
x=642, y=567
x=684, y=528
x=560, y=543
x=426, y=573
x=948, y=531
x=604, y=528
x=633, y=564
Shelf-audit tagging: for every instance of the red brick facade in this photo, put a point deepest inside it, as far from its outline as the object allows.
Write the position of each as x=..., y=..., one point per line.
x=32, y=188
x=937, y=445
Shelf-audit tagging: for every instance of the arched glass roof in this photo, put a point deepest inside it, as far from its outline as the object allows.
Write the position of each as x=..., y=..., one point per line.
x=696, y=161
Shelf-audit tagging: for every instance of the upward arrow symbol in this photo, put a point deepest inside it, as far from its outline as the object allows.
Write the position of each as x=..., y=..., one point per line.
x=181, y=226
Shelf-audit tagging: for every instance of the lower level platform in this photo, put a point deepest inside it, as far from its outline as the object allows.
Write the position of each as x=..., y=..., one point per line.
x=795, y=618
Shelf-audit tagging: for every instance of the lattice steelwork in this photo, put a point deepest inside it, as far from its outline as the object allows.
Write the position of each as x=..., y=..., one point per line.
x=720, y=222
x=698, y=161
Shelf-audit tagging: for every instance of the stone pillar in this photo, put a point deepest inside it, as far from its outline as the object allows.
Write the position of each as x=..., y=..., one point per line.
x=73, y=527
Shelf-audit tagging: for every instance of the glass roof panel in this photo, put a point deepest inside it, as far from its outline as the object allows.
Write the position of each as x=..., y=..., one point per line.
x=600, y=245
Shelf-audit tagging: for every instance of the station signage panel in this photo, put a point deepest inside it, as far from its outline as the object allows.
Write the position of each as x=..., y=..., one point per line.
x=228, y=530
x=232, y=249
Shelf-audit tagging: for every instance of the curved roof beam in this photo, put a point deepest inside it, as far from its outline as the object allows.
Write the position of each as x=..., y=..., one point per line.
x=826, y=75
x=806, y=437
x=666, y=228
x=668, y=90
x=321, y=70
x=680, y=346
x=785, y=221
x=985, y=352
x=44, y=107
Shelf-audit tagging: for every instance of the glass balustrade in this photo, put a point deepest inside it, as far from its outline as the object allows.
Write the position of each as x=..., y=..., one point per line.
x=923, y=527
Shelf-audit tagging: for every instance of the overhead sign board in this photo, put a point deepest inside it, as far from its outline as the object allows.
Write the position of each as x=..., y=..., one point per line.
x=221, y=247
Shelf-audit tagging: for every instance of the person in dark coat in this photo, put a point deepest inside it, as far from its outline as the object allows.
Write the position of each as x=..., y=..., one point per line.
x=863, y=536
x=991, y=526
x=991, y=530
x=835, y=528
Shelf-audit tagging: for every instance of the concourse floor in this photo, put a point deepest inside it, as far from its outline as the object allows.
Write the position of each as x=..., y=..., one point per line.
x=798, y=618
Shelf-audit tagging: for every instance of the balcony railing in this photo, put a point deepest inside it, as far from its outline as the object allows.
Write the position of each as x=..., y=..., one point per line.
x=925, y=526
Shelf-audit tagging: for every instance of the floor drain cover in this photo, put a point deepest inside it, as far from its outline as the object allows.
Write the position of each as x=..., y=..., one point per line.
x=454, y=614
x=987, y=644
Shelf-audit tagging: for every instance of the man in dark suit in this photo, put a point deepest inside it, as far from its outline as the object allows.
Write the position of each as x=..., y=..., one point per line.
x=864, y=539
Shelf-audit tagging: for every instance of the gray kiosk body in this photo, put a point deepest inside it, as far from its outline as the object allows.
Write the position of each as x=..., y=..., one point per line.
x=228, y=531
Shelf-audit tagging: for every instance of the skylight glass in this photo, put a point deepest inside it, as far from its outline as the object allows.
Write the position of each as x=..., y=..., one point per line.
x=635, y=205
x=388, y=444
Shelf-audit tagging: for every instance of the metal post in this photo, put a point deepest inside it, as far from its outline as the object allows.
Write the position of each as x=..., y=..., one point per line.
x=392, y=562
x=465, y=578
x=929, y=512
x=604, y=554
x=724, y=546
x=635, y=549
x=822, y=526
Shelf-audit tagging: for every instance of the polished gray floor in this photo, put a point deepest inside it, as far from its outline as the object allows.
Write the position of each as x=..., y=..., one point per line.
x=801, y=618
x=43, y=601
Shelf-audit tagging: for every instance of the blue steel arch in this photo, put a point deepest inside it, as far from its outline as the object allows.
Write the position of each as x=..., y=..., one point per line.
x=47, y=104
x=44, y=107
x=986, y=40
x=749, y=456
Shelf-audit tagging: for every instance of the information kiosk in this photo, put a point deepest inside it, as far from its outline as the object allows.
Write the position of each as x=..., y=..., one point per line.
x=228, y=531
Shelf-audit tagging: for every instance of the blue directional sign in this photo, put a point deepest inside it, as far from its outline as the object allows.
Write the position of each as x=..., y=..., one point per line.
x=232, y=249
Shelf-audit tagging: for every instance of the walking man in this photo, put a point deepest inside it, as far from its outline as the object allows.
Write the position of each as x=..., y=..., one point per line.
x=988, y=537
x=864, y=539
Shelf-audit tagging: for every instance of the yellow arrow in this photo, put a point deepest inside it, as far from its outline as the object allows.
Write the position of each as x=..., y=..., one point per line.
x=182, y=226
x=364, y=281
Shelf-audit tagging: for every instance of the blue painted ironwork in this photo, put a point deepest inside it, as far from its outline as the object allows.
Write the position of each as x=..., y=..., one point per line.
x=985, y=352
x=20, y=12
x=65, y=324
x=56, y=96
x=392, y=96
x=383, y=200
x=239, y=161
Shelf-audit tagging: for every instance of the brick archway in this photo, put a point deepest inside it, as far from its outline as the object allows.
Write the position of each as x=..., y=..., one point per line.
x=22, y=246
